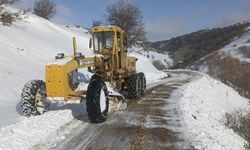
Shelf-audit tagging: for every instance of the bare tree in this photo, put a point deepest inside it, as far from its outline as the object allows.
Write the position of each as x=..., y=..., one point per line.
x=128, y=16
x=96, y=23
x=8, y=1
x=45, y=8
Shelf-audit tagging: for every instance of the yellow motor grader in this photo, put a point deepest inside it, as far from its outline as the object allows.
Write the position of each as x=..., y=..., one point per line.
x=110, y=63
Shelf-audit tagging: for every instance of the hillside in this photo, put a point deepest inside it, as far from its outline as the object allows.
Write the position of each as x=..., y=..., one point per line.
x=191, y=47
x=223, y=53
x=231, y=64
x=26, y=47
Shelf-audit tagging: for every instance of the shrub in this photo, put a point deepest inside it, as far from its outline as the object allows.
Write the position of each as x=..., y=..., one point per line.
x=7, y=18
x=245, y=50
x=230, y=71
x=159, y=65
x=2, y=2
x=240, y=124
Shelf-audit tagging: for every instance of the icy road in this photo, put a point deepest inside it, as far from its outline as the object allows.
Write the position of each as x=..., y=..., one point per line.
x=149, y=123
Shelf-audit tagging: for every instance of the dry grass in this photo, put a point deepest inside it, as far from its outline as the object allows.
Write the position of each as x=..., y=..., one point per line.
x=230, y=71
x=7, y=18
x=245, y=50
x=159, y=65
x=240, y=123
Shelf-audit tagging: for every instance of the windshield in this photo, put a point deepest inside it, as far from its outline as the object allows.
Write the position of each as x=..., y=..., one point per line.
x=103, y=40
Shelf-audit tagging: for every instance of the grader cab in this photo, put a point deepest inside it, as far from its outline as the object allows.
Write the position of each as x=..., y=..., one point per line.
x=109, y=63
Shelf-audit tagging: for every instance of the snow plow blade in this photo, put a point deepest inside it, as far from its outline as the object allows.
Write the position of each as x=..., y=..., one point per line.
x=117, y=95
x=120, y=103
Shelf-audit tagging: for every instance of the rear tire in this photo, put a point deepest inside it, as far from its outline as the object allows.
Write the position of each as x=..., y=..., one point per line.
x=97, y=102
x=33, y=98
x=134, y=86
x=143, y=83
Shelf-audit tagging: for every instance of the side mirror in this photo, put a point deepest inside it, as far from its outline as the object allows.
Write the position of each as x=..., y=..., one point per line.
x=90, y=43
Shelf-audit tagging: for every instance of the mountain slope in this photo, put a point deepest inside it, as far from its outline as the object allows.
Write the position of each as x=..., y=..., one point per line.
x=191, y=47
x=223, y=53
x=231, y=64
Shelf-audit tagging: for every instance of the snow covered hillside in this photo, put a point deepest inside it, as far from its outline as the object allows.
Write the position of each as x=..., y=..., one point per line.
x=230, y=64
x=240, y=47
x=26, y=47
x=164, y=58
x=204, y=104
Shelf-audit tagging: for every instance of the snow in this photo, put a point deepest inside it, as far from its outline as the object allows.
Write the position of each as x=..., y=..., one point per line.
x=235, y=47
x=153, y=56
x=29, y=132
x=204, y=104
x=145, y=66
x=26, y=47
x=239, y=48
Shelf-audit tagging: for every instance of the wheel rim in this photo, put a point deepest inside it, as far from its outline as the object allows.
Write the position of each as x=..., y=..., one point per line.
x=102, y=101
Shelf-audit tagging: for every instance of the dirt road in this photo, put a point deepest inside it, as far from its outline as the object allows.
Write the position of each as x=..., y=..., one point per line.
x=153, y=122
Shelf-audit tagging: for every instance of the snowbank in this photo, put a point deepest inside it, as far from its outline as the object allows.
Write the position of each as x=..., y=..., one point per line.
x=204, y=103
x=153, y=56
x=31, y=133
x=144, y=65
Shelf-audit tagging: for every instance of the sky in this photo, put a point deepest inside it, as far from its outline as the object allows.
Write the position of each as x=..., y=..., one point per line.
x=164, y=19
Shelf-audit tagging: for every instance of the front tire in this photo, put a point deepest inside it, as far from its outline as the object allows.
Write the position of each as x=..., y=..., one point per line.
x=33, y=98
x=97, y=102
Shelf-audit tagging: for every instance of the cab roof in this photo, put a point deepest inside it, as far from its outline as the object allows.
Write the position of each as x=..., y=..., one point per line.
x=106, y=28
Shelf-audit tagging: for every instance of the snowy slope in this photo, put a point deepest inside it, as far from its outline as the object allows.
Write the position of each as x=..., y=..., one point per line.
x=154, y=56
x=26, y=47
x=240, y=47
x=144, y=65
x=204, y=104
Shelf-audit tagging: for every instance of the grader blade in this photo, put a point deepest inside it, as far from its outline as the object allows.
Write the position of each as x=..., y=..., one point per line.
x=118, y=101
x=117, y=95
